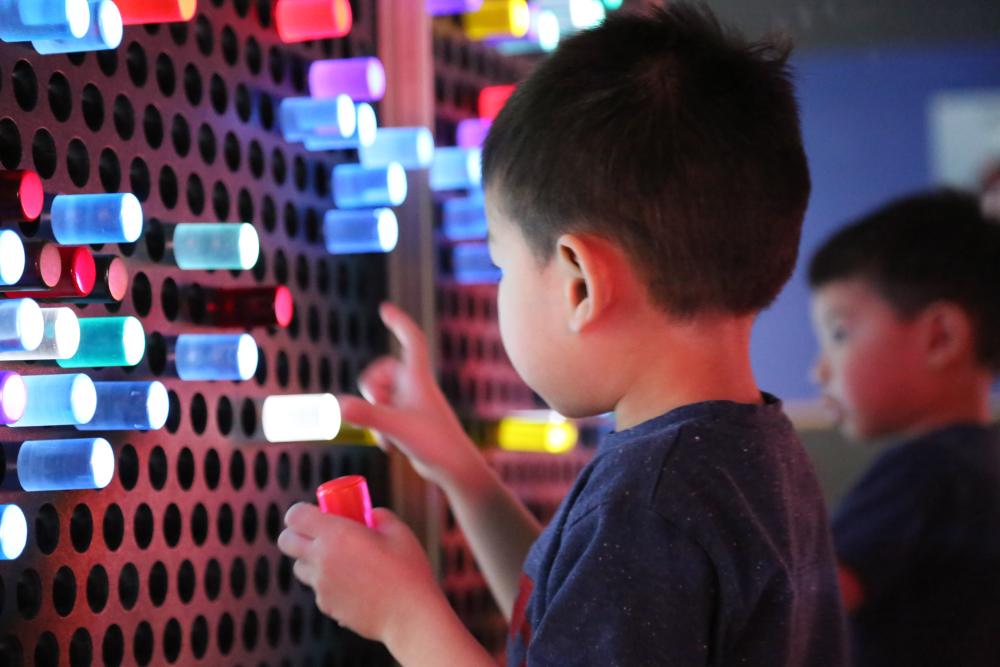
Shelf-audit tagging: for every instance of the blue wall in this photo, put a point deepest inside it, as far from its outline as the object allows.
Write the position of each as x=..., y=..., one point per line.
x=865, y=124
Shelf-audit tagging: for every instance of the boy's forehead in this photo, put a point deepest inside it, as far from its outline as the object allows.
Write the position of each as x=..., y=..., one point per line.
x=846, y=295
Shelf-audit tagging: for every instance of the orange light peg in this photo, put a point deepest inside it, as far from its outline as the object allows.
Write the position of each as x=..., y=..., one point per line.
x=492, y=99
x=302, y=20
x=135, y=12
x=497, y=19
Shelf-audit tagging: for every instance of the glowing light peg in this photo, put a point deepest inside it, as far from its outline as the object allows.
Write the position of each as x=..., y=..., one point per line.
x=249, y=306
x=65, y=465
x=77, y=276
x=471, y=132
x=497, y=18
x=347, y=497
x=215, y=356
x=300, y=417
x=135, y=12
x=21, y=325
x=464, y=218
x=456, y=169
x=301, y=116
x=576, y=14
x=363, y=79
x=612, y=4
x=60, y=338
x=11, y=257
x=329, y=138
x=83, y=219
x=356, y=232
x=21, y=194
x=42, y=267
x=302, y=20
x=25, y=20
x=412, y=147
x=129, y=406
x=211, y=245
x=13, y=397
x=543, y=35
x=543, y=431
x=355, y=186
x=471, y=265
x=106, y=30
x=108, y=341
x=58, y=400
x=491, y=100
x=449, y=7
x=13, y=532
x=111, y=284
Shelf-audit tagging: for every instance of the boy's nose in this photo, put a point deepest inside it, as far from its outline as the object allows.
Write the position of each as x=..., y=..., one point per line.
x=820, y=371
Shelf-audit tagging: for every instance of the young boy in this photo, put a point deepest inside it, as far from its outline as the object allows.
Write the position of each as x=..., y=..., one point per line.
x=907, y=311
x=645, y=189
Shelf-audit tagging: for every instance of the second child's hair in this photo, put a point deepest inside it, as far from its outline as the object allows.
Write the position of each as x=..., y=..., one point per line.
x=920, y=249
x=671, y=136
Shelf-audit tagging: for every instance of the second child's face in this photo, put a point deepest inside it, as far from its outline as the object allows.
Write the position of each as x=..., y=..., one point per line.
x=868, y=359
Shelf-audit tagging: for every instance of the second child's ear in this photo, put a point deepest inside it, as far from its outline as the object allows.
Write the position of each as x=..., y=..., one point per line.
x=947, y=334
x=586, y=269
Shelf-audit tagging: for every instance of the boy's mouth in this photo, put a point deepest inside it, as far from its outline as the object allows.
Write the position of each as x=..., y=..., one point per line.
x=834, y=407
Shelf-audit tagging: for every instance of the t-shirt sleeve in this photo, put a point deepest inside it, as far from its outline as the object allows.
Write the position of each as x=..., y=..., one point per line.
x=627, y=588
x=877, y=528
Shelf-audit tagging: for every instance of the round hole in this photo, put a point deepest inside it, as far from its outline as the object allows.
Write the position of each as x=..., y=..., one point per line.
x=274, y=522
x=173, y=412
x=199, y=637
x=97, y=589
x=60, y=97
x=43, y=152
x=199, y=414
x=136, y=64
x=113, y=646
x=128, y=467
x=25, y=85
x=261, y=375
x=251, y=629
x=249, y=523
x=279, y=170
x=109, y=170
x=232, y=152
x=142, y=643
x=170, y=299
x=172, y=525
x=158, y=468
x=219, y=94
x=81, y=528
x=237, y=470
x=166, y=77
x=107, y=61
x=195, y=194
x=81, y=649
x=224, y=415
x=230, y=46
x=10, y=144
x=282, y=368
x=180, y=134
x=152, y=125
x=64, y=591
x=224, y=634
x=128, y=586
x=124, y=117
x=304, y=372
x=142, y=526
x=93, y=107
x=142, y=294
x=47, y=529
x=192, y=85
x=244, y=205
x=168, y=187
x=199, y=524
x=179, y=33
x=185, y=468
x=46, y=650
x=224, y=523
x=243, y=103
x=139, y=178
x=238, y=577
x=220, y=200
x=78, y=162
x=213, y=579
x=158, y=584
x=206, y=143
x=114, y=527
x=305, y=472
x=284, y=470
x=261, y=468
x=172, y=640
x=213, y=468
x=203, y=35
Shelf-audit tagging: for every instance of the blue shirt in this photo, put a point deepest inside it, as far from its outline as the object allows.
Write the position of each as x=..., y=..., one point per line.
x=921, y=532
x=696, y=538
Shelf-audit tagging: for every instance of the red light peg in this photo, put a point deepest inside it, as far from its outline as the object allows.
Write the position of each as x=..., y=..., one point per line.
x=79, y=274
x=302, y=20
x=42, y=267
x=347, y=497
x=246, y=307
x=112, y=281
x=21, y=195
x=135, y=12
x=492, y=99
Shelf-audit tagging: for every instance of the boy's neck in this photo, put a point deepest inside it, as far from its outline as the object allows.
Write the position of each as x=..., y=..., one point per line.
x=704, y=360
x=965, y=402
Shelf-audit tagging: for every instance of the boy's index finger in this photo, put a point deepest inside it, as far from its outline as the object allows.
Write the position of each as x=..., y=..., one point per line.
x=411, y=338
x=304, y=518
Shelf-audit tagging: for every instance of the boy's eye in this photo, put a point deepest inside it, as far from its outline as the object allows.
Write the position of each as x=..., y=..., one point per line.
x=838, y=334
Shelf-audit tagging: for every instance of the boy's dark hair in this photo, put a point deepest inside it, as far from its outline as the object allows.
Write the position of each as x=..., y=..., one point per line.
x=672, y=136
x=927, y=247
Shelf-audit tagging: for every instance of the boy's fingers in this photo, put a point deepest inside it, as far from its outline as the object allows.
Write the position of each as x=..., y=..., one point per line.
x=304, y=572
x=378, y=381
x=293, y=544
x=305, y=519
x=378, y=417
x=406, y=331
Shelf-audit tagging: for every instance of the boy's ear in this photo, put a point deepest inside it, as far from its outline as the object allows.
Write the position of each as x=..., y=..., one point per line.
x=585, y=267
x=947, y=334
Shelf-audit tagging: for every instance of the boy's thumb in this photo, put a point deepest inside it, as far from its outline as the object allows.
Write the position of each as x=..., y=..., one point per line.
x=381, y=418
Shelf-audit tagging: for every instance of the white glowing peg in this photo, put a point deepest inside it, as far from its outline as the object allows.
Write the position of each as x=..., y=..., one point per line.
x=60, y=337
x=300, y=417
x=13, y=532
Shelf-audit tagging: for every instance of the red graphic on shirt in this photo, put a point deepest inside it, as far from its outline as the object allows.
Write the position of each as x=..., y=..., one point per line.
x=519, y=624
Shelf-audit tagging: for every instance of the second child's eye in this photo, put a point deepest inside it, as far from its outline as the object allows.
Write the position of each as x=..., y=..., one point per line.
x=838, y=334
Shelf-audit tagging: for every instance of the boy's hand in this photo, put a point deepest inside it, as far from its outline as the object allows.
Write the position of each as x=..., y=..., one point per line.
x=371, y=580
x=406, y=405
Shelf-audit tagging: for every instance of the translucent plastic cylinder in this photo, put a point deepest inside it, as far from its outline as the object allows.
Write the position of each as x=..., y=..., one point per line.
x=246, y=307
x=327, y=139
x=106, y=30
x=83, y=219
x=13, y=532
x=108, y=341
x=355, y=186
x=300, y=417
x=412, y=147
x=42, y=267
x=21, y=325
x=363, y=231
x=22, y=195
x=65, y=465
x=348, y=497
x=492, y=99
x=300, y=116
x=136, y=12
x=464, y=218
x=58, y=400
x=575, y=14
x=215, y=245
x=129, y=406
x=471, y=265
x=302, y=20
x=497, y=18
x=25, y=20
x=13, y=397
x=449, y=7
x=543, y=431
x=471, y=132
x=363, y=79
x=60, y=337
x=12, y=257
x=215, y=356
x=456, y=168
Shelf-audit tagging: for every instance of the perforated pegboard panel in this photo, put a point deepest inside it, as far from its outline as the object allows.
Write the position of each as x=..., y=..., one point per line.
x=175, y=561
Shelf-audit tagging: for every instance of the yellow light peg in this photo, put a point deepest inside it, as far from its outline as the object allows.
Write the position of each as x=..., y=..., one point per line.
x=545, y=432
x=498, y=19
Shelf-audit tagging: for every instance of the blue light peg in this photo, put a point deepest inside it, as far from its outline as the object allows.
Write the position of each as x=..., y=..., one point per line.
x=412, y=147
x=329, y=138
x=215, y=245
x=65, y=465
x=300, y=116
x=11, y=257
x=13, y=532
x=58, y=400
x=21, y=325
x=84, y=219
x=106, y=30
x=129, y=406
x=355, y=232
x=25, y=20
x=456, y=168
x=215, y=356
x=355, y=186
x=464, y=218
x=471, y=265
